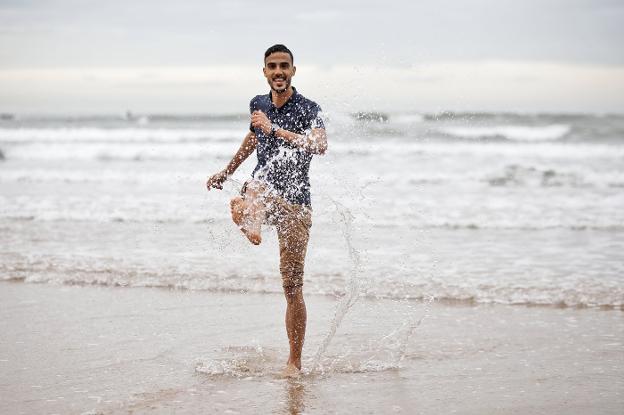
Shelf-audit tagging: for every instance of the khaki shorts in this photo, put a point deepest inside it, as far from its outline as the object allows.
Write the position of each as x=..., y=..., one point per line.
x=293, y=223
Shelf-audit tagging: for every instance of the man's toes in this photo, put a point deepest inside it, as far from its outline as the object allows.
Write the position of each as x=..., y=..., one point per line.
x=254, y=238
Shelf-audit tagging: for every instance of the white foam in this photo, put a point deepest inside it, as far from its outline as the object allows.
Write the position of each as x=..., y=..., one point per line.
x=120, y=151
x=109, y=135
x=385, y=150
x=511, y=132
x=537, y=288
x=407, y=118
x=392, y=151
x=258, y=361
x=103, y=175
x=241, y=362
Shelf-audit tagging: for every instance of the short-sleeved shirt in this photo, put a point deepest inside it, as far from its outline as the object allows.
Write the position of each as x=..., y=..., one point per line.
x=281, y=165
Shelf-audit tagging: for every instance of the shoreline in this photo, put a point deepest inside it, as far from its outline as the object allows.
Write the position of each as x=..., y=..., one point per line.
x=450, y=302
x=93, y=349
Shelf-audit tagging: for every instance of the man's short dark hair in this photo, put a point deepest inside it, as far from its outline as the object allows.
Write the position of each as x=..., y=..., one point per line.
x=279, y=48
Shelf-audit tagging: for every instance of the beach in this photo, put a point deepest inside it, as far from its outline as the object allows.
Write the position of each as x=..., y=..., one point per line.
x=91, y=349
x=441, y=184
x=457, y=263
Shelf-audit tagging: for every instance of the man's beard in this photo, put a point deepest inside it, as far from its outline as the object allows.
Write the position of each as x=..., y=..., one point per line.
x=281, y=90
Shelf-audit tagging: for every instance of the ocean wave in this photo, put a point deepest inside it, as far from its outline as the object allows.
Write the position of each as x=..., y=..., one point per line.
x=78, y=175
x=131, y=151
x=510, y=132
x=117, y=135
x=370, y=116
x=516, y=175
x=407, y=118
x=195, y=208
x=585, y=293
x=380, y=150
x=142, y=212
x=510, y=176
x=613, y=227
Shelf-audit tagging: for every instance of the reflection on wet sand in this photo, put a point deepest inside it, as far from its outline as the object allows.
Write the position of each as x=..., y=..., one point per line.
x=294, y=402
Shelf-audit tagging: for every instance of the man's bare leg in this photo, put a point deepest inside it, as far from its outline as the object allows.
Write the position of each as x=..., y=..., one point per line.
x=296, y=317
x=248, y=212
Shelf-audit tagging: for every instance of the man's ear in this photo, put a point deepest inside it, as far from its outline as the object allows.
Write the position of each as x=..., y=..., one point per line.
x=264, y=70
x=294, y=70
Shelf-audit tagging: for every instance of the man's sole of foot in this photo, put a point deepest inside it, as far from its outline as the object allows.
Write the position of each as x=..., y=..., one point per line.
x=253, y=237
x=237, y=209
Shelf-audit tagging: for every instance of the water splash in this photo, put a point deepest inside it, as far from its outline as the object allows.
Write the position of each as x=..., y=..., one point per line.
x=352, y=287
x=407, y=329
x=241, y=362
x=382, y=354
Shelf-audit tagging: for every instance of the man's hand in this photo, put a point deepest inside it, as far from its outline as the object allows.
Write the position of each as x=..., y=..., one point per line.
x=216, y=180
x=261, y=121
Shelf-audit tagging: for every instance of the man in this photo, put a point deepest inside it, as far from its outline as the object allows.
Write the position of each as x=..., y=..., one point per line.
x=286, y=130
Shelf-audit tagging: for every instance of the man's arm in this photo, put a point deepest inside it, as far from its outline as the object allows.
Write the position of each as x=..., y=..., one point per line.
x=315, y=142
x=247, y=147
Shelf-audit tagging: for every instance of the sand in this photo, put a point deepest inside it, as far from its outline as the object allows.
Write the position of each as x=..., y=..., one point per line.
x=89, y=349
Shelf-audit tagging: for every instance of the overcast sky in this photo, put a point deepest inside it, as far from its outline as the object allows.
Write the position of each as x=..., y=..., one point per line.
x=206, y=56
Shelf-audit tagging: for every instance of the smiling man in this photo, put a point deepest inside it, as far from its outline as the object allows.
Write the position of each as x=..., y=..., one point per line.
x=286, y=131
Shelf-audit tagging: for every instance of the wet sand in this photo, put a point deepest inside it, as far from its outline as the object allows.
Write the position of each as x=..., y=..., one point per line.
x=73, y=349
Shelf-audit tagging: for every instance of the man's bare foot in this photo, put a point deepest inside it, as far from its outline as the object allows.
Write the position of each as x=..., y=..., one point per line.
x=243, y=216
x=236, y=208
x=253, y=235
x=291, y=371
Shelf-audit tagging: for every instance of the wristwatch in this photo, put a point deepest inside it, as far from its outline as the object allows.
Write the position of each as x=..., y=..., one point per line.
x=274, y=128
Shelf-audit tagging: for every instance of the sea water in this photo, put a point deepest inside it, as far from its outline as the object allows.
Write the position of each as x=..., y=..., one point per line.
x=472, y=208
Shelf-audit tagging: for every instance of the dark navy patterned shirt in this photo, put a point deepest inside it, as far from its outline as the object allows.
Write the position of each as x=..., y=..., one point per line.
x=283, y=166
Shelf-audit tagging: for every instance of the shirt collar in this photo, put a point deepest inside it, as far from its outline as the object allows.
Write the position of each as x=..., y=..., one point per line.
x=291, y=99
